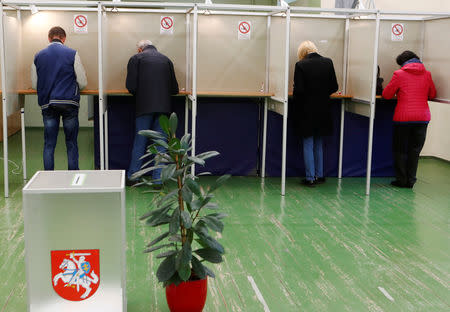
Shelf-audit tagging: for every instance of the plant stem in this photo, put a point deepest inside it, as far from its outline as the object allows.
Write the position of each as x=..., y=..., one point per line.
x=180, y=199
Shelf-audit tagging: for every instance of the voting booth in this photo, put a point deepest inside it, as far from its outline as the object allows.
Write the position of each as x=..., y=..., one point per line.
x=224, y=51
x=75, y=241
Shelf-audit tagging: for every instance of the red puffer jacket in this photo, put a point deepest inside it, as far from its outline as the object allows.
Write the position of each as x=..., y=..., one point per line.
x=414, y=86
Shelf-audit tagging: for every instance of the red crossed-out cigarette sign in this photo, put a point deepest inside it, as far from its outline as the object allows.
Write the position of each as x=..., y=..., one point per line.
x=397, y=29
x=166, y=22
x=244, y=28
x=166, y=25
x=80, y=23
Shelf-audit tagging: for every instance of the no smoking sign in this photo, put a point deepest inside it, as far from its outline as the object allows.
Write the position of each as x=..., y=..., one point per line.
x=244, y=30
x=397, y=31
x=80, y=23
x=166, y=25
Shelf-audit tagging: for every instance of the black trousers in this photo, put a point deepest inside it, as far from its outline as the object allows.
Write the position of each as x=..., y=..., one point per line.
x=407, y=143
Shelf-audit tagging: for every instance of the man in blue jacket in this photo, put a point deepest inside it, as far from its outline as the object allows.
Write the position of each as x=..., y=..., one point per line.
x=151, y=79
x=58, y=76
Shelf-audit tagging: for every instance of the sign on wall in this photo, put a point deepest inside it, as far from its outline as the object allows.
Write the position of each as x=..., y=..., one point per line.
x=244, y=30
x=80, y=23
x=167, y=24
x=397, y=31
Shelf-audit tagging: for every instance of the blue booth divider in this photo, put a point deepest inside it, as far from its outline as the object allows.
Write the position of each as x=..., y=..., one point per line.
x=233, y=127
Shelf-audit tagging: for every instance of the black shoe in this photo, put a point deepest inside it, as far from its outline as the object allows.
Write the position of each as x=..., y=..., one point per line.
x=320, y=180
x=129, y=182
x=397, y=183
x=309, y=183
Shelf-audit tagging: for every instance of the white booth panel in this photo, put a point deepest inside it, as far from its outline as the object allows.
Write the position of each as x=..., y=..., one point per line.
x=35, y=38
x=75, y=241
x=125, y=30
x=12, y=30
x=277, y=56
x=360, y=58
x=437, y=55
x=230, y=59
x=389, y=49
x=329, y=37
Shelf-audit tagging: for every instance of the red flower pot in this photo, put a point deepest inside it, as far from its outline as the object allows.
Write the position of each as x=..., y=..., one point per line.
x=188, y=296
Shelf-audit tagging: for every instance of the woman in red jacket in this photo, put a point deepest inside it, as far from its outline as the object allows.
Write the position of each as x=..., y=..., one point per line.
x=413, y=86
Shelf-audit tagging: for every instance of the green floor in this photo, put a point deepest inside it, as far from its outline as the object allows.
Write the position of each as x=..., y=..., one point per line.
x=330, y=248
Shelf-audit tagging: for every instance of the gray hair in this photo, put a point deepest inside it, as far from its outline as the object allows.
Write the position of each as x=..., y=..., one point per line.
x=144, y=43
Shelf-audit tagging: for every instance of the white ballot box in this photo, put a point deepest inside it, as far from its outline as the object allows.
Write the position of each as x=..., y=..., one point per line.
x=75, y=241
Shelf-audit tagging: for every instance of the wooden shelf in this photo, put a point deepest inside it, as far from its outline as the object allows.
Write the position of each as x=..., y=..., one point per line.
x=234, y=94
x=335, y=96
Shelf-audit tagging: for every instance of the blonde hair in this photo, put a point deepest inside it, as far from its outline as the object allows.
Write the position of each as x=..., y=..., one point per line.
x=305, y=48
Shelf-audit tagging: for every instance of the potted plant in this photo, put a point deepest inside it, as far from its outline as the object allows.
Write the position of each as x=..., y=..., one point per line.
x=186, y=212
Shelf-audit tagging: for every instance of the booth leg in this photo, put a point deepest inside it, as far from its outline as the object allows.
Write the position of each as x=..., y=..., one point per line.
x=264, y=147
x=341, y=139
x=24, y=151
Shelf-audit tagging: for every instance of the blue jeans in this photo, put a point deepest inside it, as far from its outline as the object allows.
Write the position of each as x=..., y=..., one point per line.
x=144, y=122
x=51, y=117
x=313, y=156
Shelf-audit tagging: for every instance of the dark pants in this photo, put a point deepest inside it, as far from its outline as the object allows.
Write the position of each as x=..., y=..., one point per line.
x=144, y=122
x=51, y=117
x=407, y=143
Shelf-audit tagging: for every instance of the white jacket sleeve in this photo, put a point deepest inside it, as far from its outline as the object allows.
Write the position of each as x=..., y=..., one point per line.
x=33, y=76
x=80, y=72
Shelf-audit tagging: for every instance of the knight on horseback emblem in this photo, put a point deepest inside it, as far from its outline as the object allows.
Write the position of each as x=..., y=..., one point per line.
x=73, y=270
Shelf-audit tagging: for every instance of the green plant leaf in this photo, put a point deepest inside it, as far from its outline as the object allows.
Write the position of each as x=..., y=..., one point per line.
x=174, y=225
x=158, y=220
x=166, y=269
x=157, y=212
x=196, y=205
x=209, y=272
x=164, y=123
x=182, y=262
x=158, y=247
x=185, y=141
x=186, y=218
x=141, y=172
x=158, y=239
x=175, y=279
x=167, y=197
x=167, y=172
x=207, y=240
x=184, y=271
x=198, y=268
x=196, y=160
x=155, y=135
x=190, y=236
x=187, y=194
x=166, y=254
x=213, y=223
x=209, y=255
x=193, y=186
x=207, y=155
x=221, y=180
x=175, y=238
x=212, y=206
x=162, y=143
x=173, y=121
x=218, y=215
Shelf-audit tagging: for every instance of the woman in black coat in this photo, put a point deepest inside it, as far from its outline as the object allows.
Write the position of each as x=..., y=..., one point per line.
x=314, y=82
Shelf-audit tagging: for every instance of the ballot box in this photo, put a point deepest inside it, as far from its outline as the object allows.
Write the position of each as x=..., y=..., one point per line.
x=75, y=241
